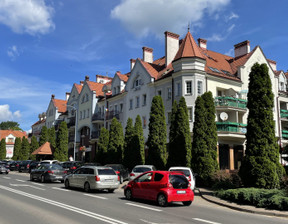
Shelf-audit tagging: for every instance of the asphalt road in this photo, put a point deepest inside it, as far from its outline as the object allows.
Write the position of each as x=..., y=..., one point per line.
x=24, y=201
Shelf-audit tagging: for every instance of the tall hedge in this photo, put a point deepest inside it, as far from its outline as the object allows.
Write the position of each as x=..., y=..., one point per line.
x=260, y=167
x=157, y=138
x=34, y=145
x=2, y=149
x=128, y=145
x=61, y=151
x=116, y=142
x=43, y=136
x=17, y=149
x=138, y=142
x=25, y=149
x=102, y=146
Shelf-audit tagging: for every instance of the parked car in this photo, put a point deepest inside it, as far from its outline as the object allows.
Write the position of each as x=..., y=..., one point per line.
x=71, y=166
x=3, y=169
x=33, y=165
x=92, y=164
x=160, y=186
x=48, y=172
x=122, y=171
x=24, y=166
x=139, y=169
x=93, y=178
x=49, y=162
x=14, y=165
x=187, y=172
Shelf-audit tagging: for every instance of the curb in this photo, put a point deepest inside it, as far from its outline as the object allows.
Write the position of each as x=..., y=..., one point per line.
x=238, y=208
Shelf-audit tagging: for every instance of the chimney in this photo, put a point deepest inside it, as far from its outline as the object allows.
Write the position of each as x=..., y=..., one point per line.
x=242, y=48
x=52, y=97
x=86, y=78
x=81, y=83
x=147, y=54
x=67, y=95
x=132, y=63
x=171, y=46
x=202, y=43
x=273, y=64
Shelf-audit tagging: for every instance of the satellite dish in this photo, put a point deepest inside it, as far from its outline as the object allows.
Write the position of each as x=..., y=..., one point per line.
x=224, y=116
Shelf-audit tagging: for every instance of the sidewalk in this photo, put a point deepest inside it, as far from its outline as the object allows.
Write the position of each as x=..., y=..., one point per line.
x=208, y=196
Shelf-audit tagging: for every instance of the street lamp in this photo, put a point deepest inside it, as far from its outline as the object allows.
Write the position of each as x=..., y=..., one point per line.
x=76, y=122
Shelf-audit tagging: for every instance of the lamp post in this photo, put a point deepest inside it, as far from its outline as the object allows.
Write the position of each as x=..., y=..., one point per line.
x=76, y=121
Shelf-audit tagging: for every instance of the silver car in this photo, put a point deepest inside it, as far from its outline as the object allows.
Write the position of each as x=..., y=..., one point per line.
x=139, y=169
x=93, y=178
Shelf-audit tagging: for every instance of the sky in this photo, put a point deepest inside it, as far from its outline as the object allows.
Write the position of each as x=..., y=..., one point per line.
x=47, y=45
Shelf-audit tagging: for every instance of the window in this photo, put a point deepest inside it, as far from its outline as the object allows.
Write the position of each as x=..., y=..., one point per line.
x=116, y=109
x=144, y=100
x=214, y=69
x=121, y=107
x=118, y=88
x=84, y=114
x=10, y=140
x=144, y=121
x=169, y=93
x=131, y=104
x=281, y=86
x=189, y=87
x=137, y=101
x=199, y=87
x=158, y=176
x=190, y=113
x=115, y=90
x=80, y=115
x=159, y=92
x=178, y=89
x=88, y=111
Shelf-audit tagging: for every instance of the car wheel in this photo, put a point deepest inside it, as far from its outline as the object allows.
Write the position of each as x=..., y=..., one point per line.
x=87, y=187
x=187, y=203
x=162, y=200
x=62, y=181
x=128, y=194
x=121, y=179
x=31, y=177
x=67, y=185
x=110, y=190
x=7, y=172
x=42, y=179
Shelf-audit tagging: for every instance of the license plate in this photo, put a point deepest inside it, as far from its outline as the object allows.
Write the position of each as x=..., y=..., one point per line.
x=108, y=180
x=181, y=192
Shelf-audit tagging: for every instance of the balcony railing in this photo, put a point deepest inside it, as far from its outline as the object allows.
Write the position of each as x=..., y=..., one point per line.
x=285, y=134
x=98, y=117
x=284, y=113
x=95, y=134
x=231, y=127
x=108, y=116
x=230, y=102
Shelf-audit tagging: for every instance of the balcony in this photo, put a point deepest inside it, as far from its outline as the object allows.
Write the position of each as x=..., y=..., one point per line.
x=98, y=117
x=95, y=134
x=111, y=114
x=284, y=114
x=226, y=101
x=285, y=134
x=231, y=127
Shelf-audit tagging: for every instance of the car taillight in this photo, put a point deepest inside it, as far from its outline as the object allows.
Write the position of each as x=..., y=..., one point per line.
x=28, y=165
x=97, y=178
x=65, y=171
x=189, y=178
x=189, y=185
x=73, y=168
x=117, y=172
x=118, y=178
x=50, y=171
x=17, y=165
x=132, y=174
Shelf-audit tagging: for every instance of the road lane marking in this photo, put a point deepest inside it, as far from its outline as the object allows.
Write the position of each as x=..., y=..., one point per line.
x=58, y=188
x=95, y=196
x=26, y=185
x=38, y=184
x=65, y=206
x=206, y=221
x=8, y=178
x=21, y=180
x=141, y=206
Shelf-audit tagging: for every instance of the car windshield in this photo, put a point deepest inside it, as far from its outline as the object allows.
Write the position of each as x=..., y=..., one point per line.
x=141, y=169
x=178, y=181
x=106, y=172
x=186, y=172
x=55, y=167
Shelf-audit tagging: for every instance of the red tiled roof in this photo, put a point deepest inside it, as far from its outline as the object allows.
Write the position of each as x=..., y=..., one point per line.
x=17, y=134
x=277, y=73
x=44, y=149
x=60, y=104
x=123, y=77
x=97, y=87
x=39, y=122
x=78, y=87
x=188, y=48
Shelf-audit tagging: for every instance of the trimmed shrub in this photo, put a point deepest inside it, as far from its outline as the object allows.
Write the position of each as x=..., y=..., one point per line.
x=223, y=179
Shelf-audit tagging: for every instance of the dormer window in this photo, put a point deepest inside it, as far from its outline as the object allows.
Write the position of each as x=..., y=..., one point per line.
x=137, y=83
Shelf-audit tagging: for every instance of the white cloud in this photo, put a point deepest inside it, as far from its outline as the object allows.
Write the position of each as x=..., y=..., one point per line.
x=27, y=16
x=220, y=37
x=230, y=52
x=13, y=52
x=142, y=17
x=7, y=115
x=231, y=16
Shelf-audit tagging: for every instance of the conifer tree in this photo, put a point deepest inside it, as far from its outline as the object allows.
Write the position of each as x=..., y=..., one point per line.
x=128, y=145
x=157, y=138
x=43, y=136
x=103, y=146
x=25, y=149
x=139, y=144
x=52, y=137
x=61, y=152
x=17, y=149
x=260, y=166
x=2, y=149
x=33, y=146
x=116, y=142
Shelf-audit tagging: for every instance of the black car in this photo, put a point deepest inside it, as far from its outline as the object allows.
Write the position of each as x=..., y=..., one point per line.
x=122, y=171
x=13, y=165
x=24, y=166
x=48, y=172
x=71, y=166
x=33, y=165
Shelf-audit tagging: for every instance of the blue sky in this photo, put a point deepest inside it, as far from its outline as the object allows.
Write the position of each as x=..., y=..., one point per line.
x=47, y=45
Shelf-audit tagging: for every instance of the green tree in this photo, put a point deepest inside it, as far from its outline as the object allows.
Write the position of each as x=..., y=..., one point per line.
x=180, y=139
x=52, y=137
x=9, y=125
x=43, y=136
x=138, y=143
x=61, y=151
x=157, y=138
x=260, y=166
x=102, y=146
x=33, y=146
x=17, y=149
x=128, y=145
x=2, y=149
x=211, y=132
x=116, y=142
x=25, y=149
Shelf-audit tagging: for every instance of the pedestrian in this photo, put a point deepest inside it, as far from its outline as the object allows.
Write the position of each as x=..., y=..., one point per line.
x=70, y=158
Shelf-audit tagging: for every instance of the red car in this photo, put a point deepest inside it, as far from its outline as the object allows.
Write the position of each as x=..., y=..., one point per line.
x=161, y=186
